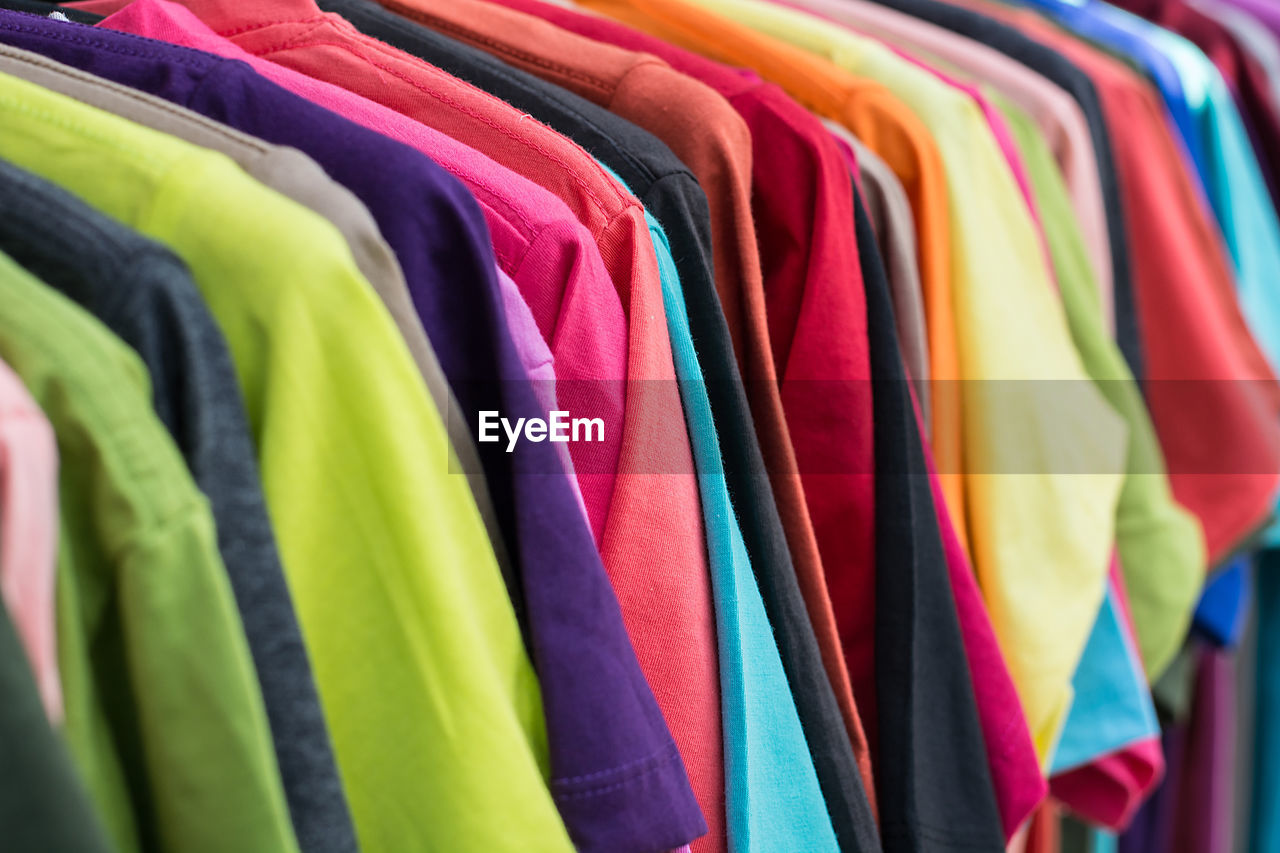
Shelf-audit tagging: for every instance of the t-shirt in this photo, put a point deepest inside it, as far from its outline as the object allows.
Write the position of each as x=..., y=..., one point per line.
x=1107, y=745
x=987, y=29
x=143, y=294
x=1059, y=118
x=1041, y=537
x=439, y=234
x=173, y=754
x=668, y=189
x=650, y=492
x=293, y=174
x=42, y=801
x=772, y=797
x=1130, y=35
x=798, y=199
x=1194, y=336
x=936, y=790
x=874, y=114
x=29, y=533
x=1250, y=86
x=399, y=534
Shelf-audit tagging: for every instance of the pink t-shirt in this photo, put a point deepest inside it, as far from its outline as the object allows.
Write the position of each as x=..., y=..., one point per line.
x=538, y=363
x=29, y=532
x=1011, y=754
x=1110, y=789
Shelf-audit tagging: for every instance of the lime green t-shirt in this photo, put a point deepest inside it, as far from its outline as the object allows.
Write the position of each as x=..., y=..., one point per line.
x=1042, y=456
x=163, y=715
x=431, y=700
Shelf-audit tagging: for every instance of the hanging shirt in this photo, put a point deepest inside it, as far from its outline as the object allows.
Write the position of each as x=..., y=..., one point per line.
x=1261, y=42
x=653, y=478
x=292, y=174
x=1070, y=508
x=890, y=214
x=1240, y=199
x=1250, y=88
x=1128, y=34
x=143, y=294
x=874, y=114
x=41, y=793
x=142, y=593
x=347, y=369
x=1108, y=740
x=988, y=30
x=797, y=200
x=438, y=233
x=1015, y=769
x=1058, y=117
x=773, y=800
x=1193, y=334
x=717, y=154
x=634, y=85
x=654, y=173
x=924, y=807
x=29, y=533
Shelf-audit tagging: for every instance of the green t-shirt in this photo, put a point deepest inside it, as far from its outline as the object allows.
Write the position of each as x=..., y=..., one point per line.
x=163, y=715
x=431, y=700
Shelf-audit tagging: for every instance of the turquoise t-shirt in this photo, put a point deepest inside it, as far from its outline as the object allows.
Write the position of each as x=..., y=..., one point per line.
x=771, y=787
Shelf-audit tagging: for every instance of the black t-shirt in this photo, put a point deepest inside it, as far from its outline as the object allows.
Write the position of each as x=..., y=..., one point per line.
x=144, y=294
x=43, y=803
x=1059, y=70
x=672, y=195
x=933, y=780
x=44, y=9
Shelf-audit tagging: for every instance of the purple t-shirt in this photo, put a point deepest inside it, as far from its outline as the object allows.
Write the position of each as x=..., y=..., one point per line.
x=602, y=719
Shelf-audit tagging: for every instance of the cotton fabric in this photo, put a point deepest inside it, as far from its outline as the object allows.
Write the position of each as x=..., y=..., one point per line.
x=797, y=199
x=478, y=650
x=438, y=237
x=1043, y=674
x=43, y=802
x=135, y=534
x=29, y=533
x=327, y=46
x=773, y=799
x=144, y=295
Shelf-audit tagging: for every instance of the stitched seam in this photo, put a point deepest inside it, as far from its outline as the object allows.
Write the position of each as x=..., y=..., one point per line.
x=564, y=104
x=195, y=59
x=656, y=763
x=13, y=105
x=262, y=25
x=663, y=754
x=306, y=40
x=496, y=199
x=508, y=50
x=155, y=103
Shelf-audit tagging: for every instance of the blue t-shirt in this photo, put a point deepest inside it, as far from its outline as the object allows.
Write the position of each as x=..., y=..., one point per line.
x=773, y=801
